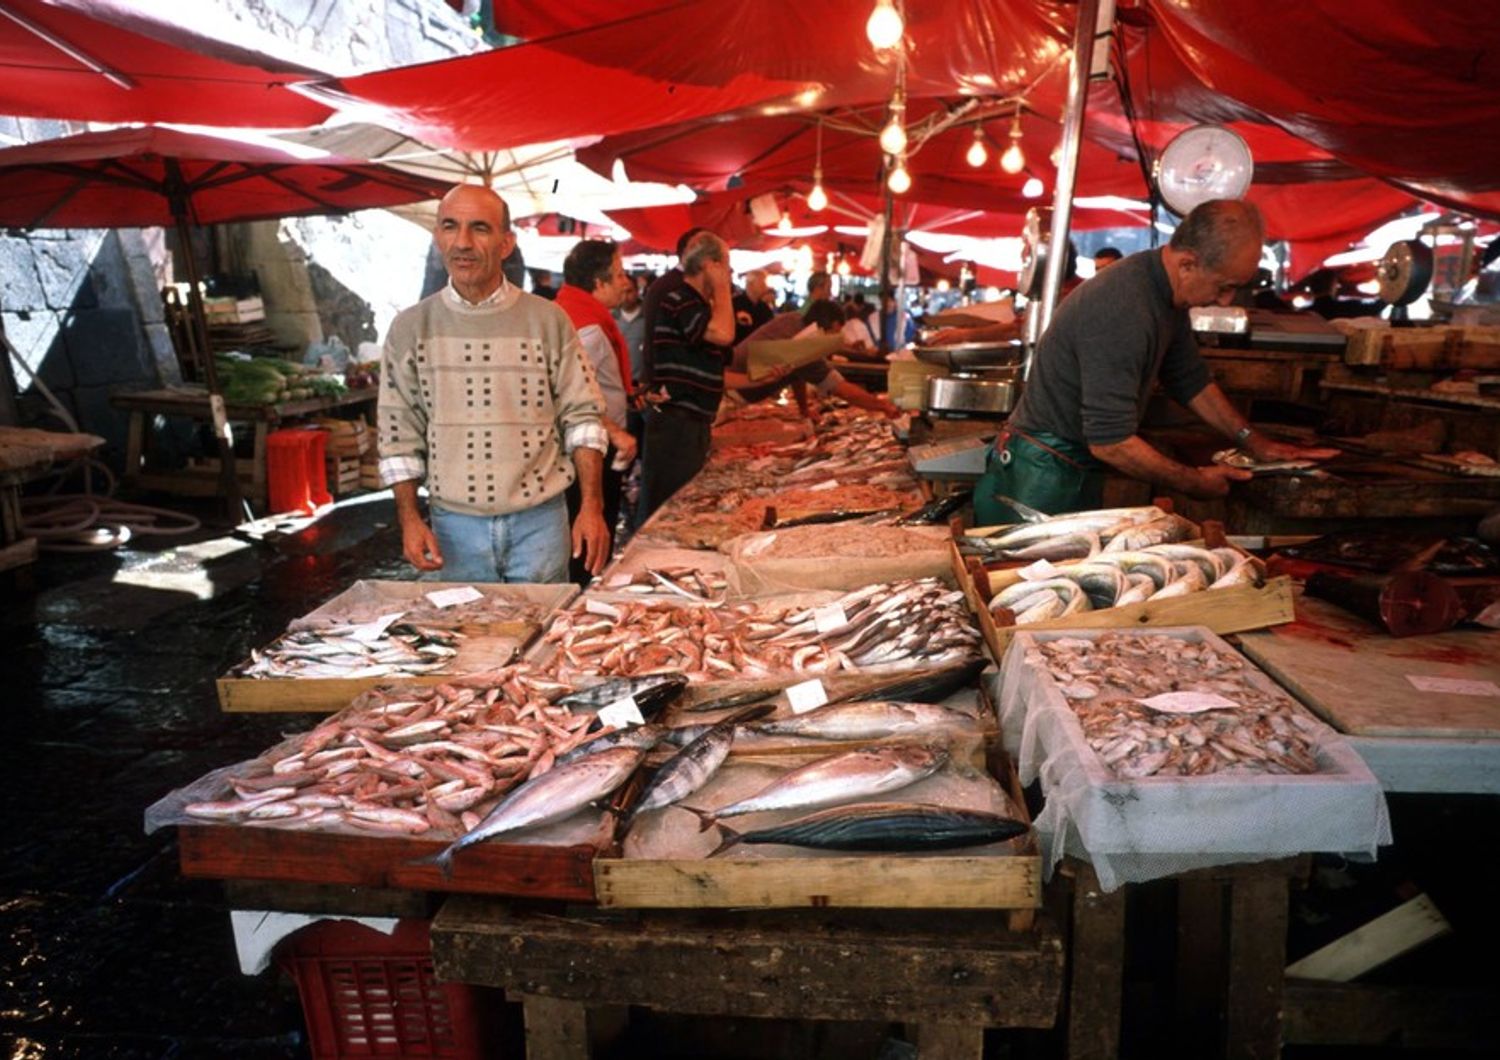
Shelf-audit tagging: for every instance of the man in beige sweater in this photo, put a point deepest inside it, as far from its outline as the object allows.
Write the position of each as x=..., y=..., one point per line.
x=486, y=396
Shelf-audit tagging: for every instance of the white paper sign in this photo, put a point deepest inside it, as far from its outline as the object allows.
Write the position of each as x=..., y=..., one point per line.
x=1454, y=686
x=599, y=607
x=829, y=618
x=809, y=695
x=617, y=581
x=1039, y=571
x=451, y=597
x=370, y=632
x=831, y=484
x=622, y=714
x=1187, y=702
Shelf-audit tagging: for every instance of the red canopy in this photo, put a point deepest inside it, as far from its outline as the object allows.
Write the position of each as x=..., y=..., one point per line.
x=52, y=52
x=125, y=178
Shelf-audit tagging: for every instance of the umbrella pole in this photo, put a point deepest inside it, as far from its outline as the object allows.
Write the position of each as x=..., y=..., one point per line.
x=229, y=479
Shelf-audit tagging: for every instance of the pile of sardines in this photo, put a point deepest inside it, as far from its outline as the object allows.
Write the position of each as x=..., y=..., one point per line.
x=344, y=651
x=1111, y=683
x=1109, y=559
x=893, y=625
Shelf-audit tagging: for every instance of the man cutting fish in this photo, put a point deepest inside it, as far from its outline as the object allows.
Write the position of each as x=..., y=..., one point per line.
x=1110, y=342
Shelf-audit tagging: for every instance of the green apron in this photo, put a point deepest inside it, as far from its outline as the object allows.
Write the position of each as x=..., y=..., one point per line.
x=1042, y=470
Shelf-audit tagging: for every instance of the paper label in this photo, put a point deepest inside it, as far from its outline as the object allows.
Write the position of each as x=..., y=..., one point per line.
x=599, y=607
x=1039, y=571
x=829, y=618
x=1187, y=702
x=622, y=714
x=831, y=484
x=370, y=632
x=809, y=695
x=451, y=597
x=616, y=581
x=1454, y=686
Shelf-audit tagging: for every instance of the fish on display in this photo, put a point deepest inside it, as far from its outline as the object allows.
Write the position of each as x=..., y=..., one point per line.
x=691, y=768
x=930, y=686
x=640, y=737
x=734, y=699
x=839, y=778
x=938, y=509
x=889, y=826
x=865, y=721
x=1167, y=530
x=550, y=797
x=1078, y=529
x=651, y=692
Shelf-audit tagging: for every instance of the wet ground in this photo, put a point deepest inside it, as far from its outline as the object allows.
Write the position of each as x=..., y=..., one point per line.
x=109, y=661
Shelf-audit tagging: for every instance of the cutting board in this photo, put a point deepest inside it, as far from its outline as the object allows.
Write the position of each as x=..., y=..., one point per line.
x=1359, y=678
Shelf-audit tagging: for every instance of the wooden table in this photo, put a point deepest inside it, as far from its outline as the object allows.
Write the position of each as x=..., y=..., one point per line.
x=947, y=975
x=1358, y=679
x=193, y=404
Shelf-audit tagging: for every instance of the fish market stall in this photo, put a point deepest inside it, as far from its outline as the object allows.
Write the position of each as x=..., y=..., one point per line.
x=380, y=631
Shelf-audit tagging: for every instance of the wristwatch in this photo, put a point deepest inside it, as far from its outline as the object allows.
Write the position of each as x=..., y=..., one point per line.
x=1242, y=435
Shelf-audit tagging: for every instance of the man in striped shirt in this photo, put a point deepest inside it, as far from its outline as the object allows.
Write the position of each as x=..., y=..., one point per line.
x=693, y=328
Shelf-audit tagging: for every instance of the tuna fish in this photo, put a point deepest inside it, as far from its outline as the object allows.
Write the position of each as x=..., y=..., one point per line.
x=890, y=826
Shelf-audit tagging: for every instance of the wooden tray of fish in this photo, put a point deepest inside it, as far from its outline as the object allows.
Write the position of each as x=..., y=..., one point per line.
x=470, y=644
x=678, y=857
x=1226, y=610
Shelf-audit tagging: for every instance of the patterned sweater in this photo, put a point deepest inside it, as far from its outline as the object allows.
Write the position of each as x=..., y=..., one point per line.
x=486, y=402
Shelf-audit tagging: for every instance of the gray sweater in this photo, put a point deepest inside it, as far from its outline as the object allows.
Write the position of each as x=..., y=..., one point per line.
x=1109, y=342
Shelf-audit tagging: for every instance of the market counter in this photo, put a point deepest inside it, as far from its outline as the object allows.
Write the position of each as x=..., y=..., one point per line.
x=949, y=975
x=194, y=405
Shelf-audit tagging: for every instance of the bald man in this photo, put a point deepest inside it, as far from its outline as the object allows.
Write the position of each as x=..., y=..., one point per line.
x=1109, y=344
x=487, y=397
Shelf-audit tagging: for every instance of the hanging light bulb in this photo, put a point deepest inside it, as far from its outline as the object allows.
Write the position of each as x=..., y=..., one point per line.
x=785, y=224
x=977, y=155
x=817, y=199
x=900, y=180
x=1013, y=161
x=885, y=26
x=893, y=136
x=843, y=268
x=1033, y=188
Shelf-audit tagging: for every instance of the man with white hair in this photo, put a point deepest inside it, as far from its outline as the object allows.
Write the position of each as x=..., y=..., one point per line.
x=486, y=396
x=693, y=329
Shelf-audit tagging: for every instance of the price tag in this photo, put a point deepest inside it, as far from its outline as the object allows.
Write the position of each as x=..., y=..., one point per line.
x=1039, y=571
x=370, y=632
x=831, y=484
x=1454, y=686
x=809, y=695
x=599, y=607
x=618, y=581
x=622, y=714
x=1187, y=702
x=829, y=618
x=451, y=597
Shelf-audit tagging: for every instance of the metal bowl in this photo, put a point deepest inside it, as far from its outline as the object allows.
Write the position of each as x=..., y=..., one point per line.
x=970, y=354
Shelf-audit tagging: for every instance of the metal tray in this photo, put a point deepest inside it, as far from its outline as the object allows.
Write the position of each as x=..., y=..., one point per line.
x=971, y=354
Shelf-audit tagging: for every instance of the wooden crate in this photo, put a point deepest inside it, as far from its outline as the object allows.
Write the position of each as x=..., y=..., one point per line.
x=1223, y=610
x=343, y=474
x=870, y=881
x=480, y=650
x=1404, y=349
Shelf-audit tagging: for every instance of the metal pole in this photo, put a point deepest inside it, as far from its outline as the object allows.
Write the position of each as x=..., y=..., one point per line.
x=1095, y=18
x=229, y=479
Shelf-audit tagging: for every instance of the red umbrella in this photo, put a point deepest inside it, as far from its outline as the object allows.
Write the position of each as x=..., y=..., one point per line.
x=126, y=178
x=93, y=61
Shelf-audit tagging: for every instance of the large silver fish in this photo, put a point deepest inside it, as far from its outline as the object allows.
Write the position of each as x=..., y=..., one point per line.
x=1167, y=530
x=893, y=826
x=639, y=737
x=1095, y=522
x=1209, y=562
x=689, y=769
x=840, y=778
x=547, y=798
x=865, y=721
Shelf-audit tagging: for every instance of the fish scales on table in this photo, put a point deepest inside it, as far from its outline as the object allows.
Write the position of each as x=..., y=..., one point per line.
x=1103, y=680
x=895, y=625
x=429, y=760
x=890, y=827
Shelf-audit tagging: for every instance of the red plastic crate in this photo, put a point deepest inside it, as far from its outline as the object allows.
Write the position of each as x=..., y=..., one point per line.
x=365, y=993
x=295, y=479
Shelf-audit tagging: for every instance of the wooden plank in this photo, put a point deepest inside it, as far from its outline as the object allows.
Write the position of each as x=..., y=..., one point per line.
x=1415, y=1018
x=917, y=968
x=1383, y=939
x=238, y=852
x=1096, y=968
x=869, y=882
x=1201, y=961
x=1355, y=676
x=1258, y=906
x=19, y=554
x=949, y=1041
x=325, y=898
x=555, y=1030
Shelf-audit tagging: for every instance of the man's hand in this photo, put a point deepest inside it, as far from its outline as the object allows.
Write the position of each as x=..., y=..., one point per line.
x=1214, y=481
x=591, y=538
x=718, y=279
x=948, y=336
x=1265, y=449
x=419, y=545
x=623, y=441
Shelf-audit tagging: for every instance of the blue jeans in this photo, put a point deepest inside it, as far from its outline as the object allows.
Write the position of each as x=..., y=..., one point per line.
x=526, y=546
